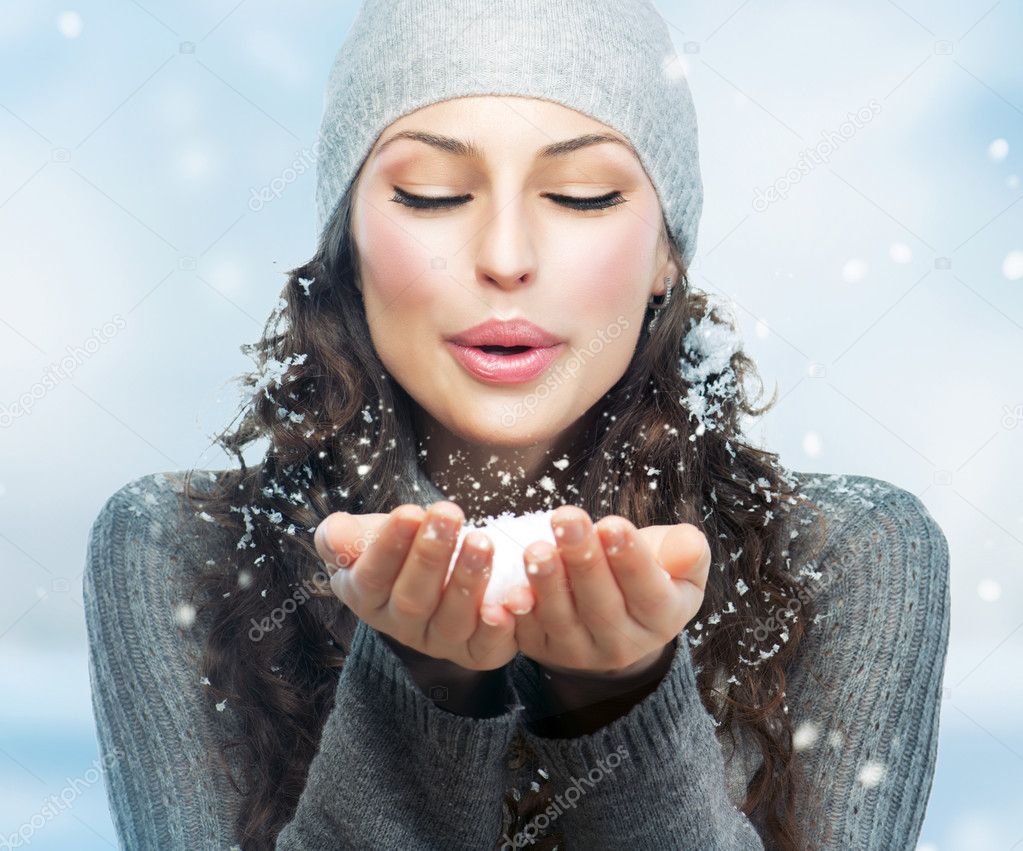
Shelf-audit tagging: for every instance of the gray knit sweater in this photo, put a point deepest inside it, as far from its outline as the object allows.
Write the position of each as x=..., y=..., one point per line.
x=394, y=771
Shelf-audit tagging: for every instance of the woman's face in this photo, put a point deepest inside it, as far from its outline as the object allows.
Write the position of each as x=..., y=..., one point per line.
x=510, y=246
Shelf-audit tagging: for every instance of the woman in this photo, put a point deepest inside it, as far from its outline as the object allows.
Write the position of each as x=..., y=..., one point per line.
x=757, y=663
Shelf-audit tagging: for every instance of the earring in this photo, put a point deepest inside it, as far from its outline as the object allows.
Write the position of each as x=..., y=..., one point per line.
x=659, y=306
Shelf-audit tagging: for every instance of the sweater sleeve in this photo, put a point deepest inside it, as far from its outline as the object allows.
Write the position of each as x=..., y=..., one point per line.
x=391, y=767
x=863, y=697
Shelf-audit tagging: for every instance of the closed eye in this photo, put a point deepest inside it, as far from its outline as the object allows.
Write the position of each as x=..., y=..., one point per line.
x=422, y=202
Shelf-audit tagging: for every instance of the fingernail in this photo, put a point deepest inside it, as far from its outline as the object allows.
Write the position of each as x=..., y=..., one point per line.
x=485, y=619
x=519, y=609
x=539, y=565
x=321, y=530
x=613, y=537
x=570, y=531
x=442, y=526
x=476, y=552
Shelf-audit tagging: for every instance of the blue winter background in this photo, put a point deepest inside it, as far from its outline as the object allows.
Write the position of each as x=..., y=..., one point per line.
x=880, y=287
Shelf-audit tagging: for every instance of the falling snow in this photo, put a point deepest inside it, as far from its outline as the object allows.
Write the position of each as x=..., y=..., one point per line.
x=184, y=614
x=805, y=735
x=871, y=773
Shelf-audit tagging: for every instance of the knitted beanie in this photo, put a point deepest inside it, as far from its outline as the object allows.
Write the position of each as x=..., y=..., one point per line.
x=610, y=59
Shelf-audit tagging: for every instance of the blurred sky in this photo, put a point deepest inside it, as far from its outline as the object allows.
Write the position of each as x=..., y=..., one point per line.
x=882, y=294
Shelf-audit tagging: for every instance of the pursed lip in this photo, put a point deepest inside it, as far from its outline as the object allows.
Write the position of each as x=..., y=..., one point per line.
x=513, y=332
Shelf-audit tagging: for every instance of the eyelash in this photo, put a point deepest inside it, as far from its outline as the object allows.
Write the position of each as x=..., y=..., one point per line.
x=420, y=202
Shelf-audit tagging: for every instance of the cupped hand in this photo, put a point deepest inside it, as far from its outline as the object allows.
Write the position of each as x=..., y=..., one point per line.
x=390, y=570
x=608, y=603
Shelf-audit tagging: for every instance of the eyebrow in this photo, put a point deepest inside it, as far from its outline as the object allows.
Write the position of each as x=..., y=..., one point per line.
x=471, y=151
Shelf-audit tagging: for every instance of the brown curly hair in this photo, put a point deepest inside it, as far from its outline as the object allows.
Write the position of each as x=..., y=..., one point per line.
x=340, y=438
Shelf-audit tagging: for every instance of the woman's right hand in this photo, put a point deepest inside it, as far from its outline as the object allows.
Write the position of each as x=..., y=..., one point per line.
x=390, y=570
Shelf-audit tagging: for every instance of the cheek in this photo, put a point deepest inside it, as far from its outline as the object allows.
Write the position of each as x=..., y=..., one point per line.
x=390, y=260
x=611, y=267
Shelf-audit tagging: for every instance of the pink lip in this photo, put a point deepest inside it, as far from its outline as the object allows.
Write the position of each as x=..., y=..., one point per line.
x=505, y=369
x=512, y=332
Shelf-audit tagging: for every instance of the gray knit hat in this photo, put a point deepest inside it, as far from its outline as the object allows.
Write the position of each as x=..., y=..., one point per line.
x=610, y=59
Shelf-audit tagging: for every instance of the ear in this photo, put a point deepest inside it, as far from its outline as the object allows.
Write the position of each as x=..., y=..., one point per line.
x=668, y=268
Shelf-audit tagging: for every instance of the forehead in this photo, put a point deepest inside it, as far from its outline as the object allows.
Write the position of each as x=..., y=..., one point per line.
x=480, y=127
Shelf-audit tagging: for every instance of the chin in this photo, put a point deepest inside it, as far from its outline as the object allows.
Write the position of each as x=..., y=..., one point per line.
x=499, y=426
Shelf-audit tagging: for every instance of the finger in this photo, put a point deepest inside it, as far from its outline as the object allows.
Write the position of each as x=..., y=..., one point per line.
x=457, y=615
x=342, y=537
x=545, y=609
x=598, y=599
x=366, y=586
x=417, y=590
x=494, y=637
x=685, y=553
x=650, y=595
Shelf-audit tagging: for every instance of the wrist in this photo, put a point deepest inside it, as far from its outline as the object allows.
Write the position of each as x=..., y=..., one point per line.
x=652, y=666
x=458, y=690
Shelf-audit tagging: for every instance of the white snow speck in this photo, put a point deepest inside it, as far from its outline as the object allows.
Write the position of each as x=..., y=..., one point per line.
x=900, y=252
x=812, y=444
x=871, y=773
x=998, y=150
x=221, y=705
x=70, y=24
x=989, y=590
x=362, y=469
x=1012, y=265
x=854, y=270
x=184, y=614
x=805, y=735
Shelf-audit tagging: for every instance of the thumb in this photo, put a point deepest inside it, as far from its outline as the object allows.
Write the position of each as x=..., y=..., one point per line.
x=682, y=551
x=342, y=537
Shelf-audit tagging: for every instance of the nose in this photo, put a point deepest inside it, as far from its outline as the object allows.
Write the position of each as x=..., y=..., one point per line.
x=506, y=256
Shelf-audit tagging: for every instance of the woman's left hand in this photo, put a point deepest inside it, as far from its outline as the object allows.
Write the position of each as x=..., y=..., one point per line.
x=605, y=606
